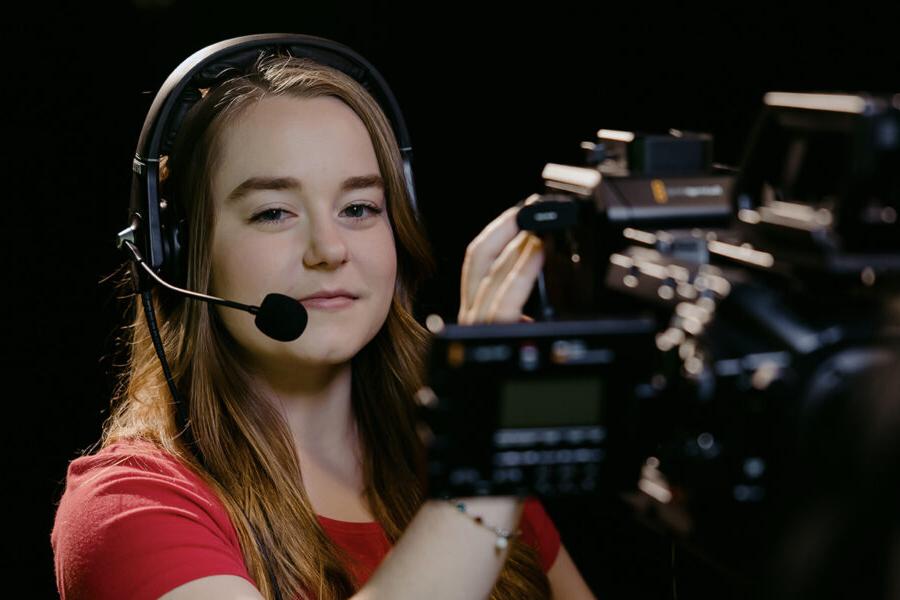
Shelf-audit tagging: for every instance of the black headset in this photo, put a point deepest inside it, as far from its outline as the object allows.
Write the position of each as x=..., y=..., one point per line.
x=155, y=238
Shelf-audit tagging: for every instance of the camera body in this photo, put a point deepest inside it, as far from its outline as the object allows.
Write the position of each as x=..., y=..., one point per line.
x=696, y=324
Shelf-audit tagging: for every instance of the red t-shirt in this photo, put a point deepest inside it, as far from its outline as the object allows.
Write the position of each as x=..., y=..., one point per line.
x=137, y=525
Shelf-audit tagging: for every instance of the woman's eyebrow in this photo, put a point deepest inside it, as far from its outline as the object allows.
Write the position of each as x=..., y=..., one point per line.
x=357, y=182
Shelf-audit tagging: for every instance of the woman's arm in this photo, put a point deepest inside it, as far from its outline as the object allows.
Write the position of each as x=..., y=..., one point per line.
x=444, y=555
x=438, y=557
x=215, y=587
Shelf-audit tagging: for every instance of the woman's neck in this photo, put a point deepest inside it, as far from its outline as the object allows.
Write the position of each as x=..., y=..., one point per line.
x=316, y=406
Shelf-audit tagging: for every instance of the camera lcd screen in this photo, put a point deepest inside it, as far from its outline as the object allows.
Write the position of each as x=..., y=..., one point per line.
x=551, y=402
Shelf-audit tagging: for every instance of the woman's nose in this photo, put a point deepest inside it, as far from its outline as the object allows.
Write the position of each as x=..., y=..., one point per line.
x=325, y=242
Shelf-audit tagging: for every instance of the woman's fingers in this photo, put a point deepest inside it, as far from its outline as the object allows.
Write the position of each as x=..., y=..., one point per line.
x=490, y=285
x=512, y=294
x=505, y=290
x=481, y=254
x=490, y=258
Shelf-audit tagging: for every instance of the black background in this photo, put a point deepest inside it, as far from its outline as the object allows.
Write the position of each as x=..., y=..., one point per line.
x=490, y=95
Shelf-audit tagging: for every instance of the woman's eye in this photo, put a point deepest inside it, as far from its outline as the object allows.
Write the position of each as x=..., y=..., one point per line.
x=359, y=205
x=268, y=216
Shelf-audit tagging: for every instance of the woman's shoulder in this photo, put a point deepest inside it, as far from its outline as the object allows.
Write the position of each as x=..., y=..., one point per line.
x=134, y=475
x=127, y=462
x=135, y=471
x=539, y=531
x=132, y=514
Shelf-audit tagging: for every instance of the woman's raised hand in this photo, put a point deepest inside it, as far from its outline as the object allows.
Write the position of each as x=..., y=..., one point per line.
x=499, y=271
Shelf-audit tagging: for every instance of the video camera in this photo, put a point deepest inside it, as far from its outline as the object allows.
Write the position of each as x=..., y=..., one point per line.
x=695, y=322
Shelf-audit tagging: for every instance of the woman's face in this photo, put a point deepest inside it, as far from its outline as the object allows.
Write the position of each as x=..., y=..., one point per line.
x=285, y=222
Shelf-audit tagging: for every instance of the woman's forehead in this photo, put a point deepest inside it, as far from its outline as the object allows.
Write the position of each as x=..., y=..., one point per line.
x=282, y=119
x=317, y=139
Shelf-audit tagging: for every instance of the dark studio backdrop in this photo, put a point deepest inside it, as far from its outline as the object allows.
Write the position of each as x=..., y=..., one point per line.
x=490, y=95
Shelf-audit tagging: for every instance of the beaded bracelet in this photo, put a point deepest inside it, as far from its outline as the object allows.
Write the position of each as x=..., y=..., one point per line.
x=503, y=535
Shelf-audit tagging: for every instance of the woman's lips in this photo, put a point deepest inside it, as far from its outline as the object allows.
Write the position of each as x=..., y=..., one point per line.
x=333, y=303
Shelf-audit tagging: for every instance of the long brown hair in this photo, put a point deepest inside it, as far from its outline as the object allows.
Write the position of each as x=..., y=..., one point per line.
x=250, y=459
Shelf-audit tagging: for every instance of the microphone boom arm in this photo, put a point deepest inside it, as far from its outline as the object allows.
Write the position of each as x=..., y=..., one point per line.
x=221, y=301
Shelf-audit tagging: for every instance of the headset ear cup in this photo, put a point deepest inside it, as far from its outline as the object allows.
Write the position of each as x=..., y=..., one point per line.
x=167, y=270
x=176, y=249
x=173, y=233
x=179, y=242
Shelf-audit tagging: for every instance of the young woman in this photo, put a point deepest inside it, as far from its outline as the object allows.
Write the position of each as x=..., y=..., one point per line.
x=292, y=181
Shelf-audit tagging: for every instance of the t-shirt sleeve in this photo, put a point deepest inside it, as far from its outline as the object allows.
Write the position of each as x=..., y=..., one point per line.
x=138, y=529
x=539, y=531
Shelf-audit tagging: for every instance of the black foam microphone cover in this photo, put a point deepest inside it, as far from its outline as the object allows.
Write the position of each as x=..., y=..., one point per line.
x=281, y=317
